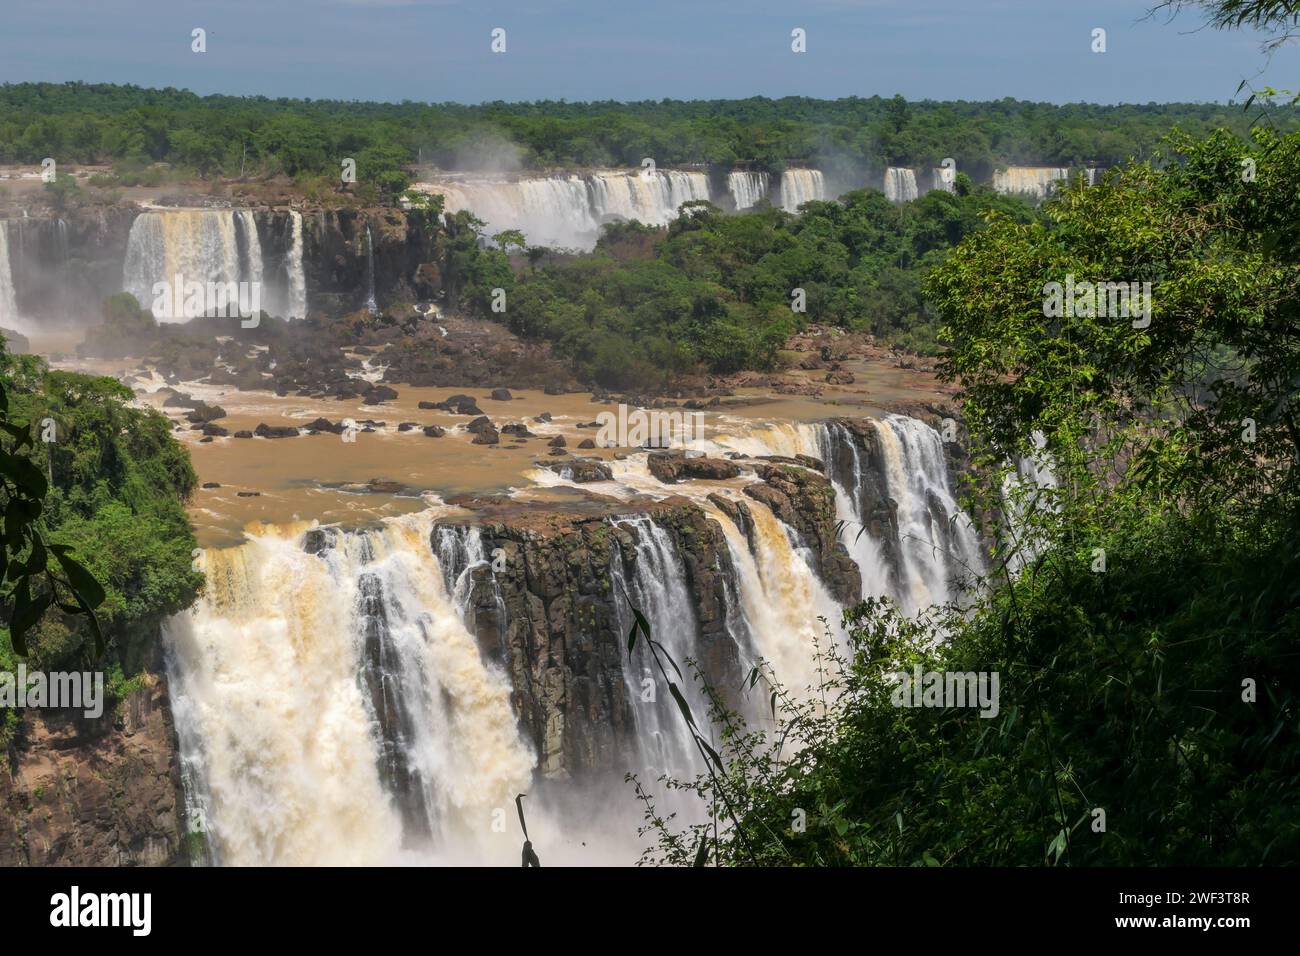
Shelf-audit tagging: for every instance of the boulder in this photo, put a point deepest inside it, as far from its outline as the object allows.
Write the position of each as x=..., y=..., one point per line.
x=671, y=467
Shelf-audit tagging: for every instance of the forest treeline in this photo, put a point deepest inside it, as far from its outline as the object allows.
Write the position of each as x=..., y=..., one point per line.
x=1141, y=608
x=108, y=123
x=721, y=292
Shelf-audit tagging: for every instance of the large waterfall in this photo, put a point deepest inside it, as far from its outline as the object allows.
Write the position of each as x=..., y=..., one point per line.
x=567, y=211
x=333, y=707
x=746, y=188
x=336, y=703
x=8, y=302
x=799, y=186
x=211, y=246
x=1036, y=182
x=900, y=184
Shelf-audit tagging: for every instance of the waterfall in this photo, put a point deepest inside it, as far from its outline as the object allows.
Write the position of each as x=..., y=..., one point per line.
x=371, y=305
x=8, y=304
x=943, y=179
x=657, y=588
x=938, y=543
x=211, y=245
x=1035, y=182
x=566, y=211
x=799, y=186
x=297, y=277
x=746, y=188
x=332, y=707
x=199, y=245
x=652, y=198
x=900, y=184
x=333, y=704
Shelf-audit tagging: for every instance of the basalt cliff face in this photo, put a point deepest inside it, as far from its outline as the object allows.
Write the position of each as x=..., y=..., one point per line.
x=95, y=792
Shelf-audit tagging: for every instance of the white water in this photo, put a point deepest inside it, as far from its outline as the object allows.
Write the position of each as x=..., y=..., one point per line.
x=567, y=211
x=279, y=735
x=8, y=305
x=944, y=179
x=900, y=184
x=937, y=540
x=371, y=305
x=746, y=188
x=297, y=277
x=203, y=245
x=292, y=756
x=658, y=589
x=1036, y=182
x=799, y=186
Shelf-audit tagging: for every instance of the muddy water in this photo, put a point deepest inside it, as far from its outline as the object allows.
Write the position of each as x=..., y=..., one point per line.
x=326, y=478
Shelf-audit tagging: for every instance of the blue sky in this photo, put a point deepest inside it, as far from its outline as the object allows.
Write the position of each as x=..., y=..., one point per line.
x=437, y=50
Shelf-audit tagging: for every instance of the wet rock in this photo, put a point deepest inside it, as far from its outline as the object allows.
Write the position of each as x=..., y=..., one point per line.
x=586, y=443
x=379, y=394
x=213, y=430
x=434, y=431
x=407, y=426
x=203, y=412
x=249, y=494
x=518, y=429
x=557, y=442
x=275, y=431
x=581, y=470
x=543, y=418
x=210, y=485
x=461, y=405
x=325, y=425
x=243, y=433
x=501, y=395
x=670, y=467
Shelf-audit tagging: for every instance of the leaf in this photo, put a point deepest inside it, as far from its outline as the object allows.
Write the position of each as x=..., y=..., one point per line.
x=26, y=613
x=681, y=704
x=24, y=474
x=702, y=851
x=82, y=581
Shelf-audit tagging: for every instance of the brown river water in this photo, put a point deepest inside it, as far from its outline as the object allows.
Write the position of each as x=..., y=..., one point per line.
x=325, y=478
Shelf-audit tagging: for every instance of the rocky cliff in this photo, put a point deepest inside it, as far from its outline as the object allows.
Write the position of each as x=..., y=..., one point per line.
x=102, y=792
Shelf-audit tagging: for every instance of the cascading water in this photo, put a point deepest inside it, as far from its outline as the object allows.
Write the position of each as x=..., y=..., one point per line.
x=199, y=245
x=657, y=588
x=799, y=186
x=332, y=706
x=211, y=245
x=333, y=703
x=747, y=189
x=652, y=198
x=297, y=277
x=371, y=305
x=900, y=184
x=8, y=303
x=1036, y=182
x=938, y=544
x=567, y=211
x=944, y=179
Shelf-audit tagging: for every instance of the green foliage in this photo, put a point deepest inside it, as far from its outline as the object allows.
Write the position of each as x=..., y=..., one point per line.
x=105, y=483
x=85, y=123
x=1141, y=614
x=714, y=291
